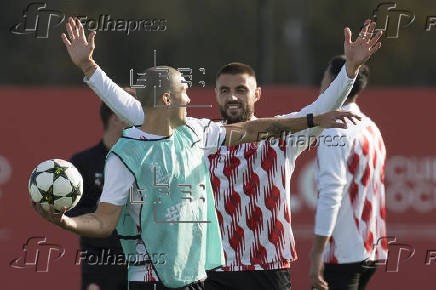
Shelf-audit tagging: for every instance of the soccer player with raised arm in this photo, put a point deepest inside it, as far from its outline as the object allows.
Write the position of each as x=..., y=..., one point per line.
x=164, y=160
x=251, y=182
x=350, y=225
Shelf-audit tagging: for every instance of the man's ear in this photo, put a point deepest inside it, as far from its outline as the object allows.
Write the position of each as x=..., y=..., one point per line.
x=257, y=94
x=166, y=99
x=216, y=95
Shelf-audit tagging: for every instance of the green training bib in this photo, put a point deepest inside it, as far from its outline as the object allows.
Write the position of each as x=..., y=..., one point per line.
x=178, y=217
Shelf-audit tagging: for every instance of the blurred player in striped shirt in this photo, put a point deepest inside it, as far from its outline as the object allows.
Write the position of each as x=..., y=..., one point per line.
x=350, y=213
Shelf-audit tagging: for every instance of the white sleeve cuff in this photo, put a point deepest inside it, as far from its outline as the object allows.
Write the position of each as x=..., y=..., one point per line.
x=92, y=80
x=344, y=71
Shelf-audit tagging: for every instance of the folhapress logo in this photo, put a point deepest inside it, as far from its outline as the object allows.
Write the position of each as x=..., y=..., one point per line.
x=391, y=20
x=37, y=255
x=38, y=20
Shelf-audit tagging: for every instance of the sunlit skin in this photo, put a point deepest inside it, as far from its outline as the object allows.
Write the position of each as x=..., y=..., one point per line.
x=162, y=121
x=180, y=97
x=176, y=97
x=236, y=95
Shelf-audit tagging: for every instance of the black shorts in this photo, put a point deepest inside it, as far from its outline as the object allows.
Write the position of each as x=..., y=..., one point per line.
x=159, y=286
x=279, y=279
x=352, y=276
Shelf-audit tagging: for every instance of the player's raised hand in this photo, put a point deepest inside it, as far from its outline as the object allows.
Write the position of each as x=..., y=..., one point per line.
x=359, y=51
x=53, y=216
x=329, y=119
x=78, y=46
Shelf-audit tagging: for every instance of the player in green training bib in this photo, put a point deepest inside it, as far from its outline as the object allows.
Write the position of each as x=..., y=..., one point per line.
x=177, y=215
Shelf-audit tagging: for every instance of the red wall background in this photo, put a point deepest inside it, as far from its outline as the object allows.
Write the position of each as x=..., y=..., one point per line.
x=43, y=123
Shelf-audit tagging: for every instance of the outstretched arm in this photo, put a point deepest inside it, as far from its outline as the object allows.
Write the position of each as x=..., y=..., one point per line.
x=99, y=224
x=263, y=128
x=80, y=49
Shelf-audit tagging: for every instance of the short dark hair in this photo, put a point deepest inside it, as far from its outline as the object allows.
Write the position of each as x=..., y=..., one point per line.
x=105, y=114
x=162, y=77
x=236, y=68
x=361, y=82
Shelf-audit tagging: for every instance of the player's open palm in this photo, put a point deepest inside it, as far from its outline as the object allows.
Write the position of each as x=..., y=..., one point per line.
x=79, y=48
x=366, y=44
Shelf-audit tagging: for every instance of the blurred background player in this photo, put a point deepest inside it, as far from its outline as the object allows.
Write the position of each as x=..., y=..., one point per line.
x=350, y=213
x=251, y=182
x=90, y=164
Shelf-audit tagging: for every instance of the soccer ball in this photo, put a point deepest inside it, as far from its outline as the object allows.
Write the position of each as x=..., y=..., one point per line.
x=56, y=182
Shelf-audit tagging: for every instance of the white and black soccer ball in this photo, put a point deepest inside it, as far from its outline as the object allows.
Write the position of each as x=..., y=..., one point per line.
x=56, y=182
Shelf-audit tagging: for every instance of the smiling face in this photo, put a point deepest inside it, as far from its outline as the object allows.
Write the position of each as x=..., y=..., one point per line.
x=236, y=95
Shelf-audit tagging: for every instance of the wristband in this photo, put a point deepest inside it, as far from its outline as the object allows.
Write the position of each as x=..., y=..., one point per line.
x=310, y=123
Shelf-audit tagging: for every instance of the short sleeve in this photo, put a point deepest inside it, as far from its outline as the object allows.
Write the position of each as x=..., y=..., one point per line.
x=118, y=181
x=212, y=134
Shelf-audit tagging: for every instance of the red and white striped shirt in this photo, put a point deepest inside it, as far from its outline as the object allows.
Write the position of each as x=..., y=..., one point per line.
x=351, y=203
x=251, y=185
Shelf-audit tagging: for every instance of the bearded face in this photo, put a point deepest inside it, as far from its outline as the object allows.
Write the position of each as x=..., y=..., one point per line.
x=236, y=95
x=236, y=111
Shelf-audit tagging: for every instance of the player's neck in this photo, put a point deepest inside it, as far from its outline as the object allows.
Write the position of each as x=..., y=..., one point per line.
x=158, y=123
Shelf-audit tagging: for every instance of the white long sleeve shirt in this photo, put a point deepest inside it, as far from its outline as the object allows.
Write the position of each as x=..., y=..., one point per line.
x=351, y=202
x=251, y=182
